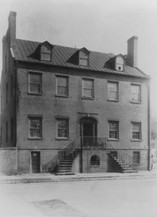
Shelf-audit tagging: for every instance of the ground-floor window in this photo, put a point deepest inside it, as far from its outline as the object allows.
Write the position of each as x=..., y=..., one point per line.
x=113, y=129
x=35, y=127
x=136, y=157
x=95, y=160
x=62, y=128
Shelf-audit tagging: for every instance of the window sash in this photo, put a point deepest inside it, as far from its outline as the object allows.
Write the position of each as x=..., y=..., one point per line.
x=62, y=128
x=88, y=88
x=35, y=83
x=136, y=130
x=62, y=86
x=113, y=130
x=136, y=158
x=113, y=91
x=35, y=130
x=135, y=93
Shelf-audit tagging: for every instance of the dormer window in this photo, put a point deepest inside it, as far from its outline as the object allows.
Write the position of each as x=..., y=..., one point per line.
x=119, y=63
x=45, y=53
x=83, y=57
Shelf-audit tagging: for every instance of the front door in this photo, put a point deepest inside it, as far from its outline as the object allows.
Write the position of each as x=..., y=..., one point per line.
x=35, y=161
x=88, y=131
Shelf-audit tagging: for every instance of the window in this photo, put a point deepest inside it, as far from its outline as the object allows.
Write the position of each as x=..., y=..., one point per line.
x=83, y=58
x=35, y=83
x=7, y=131
x=113, y=91
x=62, y=86
x=62, y=128
x=45, y=53
x=35, y=127
x=119, y=63
x=136, y=158
x=88, y=88
x=136, y=130
x=135, y=93
x=113, y=130
x=6, y=93
x=95, y=160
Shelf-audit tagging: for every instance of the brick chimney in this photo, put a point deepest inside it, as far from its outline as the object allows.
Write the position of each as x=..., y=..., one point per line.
x=12, y=28
x=132, y=50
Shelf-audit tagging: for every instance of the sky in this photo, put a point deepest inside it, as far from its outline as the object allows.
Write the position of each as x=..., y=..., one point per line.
x=98, y=25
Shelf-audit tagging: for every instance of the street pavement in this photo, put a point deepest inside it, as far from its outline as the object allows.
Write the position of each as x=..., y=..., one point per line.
x=129, y=195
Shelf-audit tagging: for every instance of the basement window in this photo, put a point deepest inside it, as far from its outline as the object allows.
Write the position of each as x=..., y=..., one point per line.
x=136, y=158
x=95, y=160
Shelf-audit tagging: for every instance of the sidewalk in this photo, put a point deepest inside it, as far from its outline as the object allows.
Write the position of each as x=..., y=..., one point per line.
x=47, y=177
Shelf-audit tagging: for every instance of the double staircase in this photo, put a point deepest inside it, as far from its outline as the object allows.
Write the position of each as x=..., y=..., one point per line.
x=66, y=165
x=119, y=165
x=118, y=161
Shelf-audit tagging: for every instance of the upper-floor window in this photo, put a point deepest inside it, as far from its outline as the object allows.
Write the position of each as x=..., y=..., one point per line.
x=87, y=88
x=62, y=86
x=113, y=129
x=136, y=131
x=113, y=92
x=119, y=63
x=46, y=53
x=83, y=58
x=35, y=127
x=135, y=93
x=35, y=83
x=62, y=128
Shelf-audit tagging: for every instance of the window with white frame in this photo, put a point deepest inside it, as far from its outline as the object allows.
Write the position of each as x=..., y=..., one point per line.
x=113, y=92
x=62, y=128
x=87, y=88
x=62, y=86
x=119, y=63
x=136, y=157
x=46, y=53
x=113, y=129
x=35, y=83
x=35, y=127
x=135, y=93
x=83, y=58
x=136, y=130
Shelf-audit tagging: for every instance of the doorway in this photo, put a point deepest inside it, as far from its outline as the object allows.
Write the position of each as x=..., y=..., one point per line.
x=88, y=131
x=35, y=155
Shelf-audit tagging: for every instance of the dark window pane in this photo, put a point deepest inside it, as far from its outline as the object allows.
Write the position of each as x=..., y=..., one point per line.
x=35, y=127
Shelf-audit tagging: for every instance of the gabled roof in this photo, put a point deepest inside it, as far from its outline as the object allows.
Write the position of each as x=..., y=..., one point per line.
x=25, y=51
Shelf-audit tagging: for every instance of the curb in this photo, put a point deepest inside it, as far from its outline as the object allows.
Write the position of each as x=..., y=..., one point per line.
x=75, y=179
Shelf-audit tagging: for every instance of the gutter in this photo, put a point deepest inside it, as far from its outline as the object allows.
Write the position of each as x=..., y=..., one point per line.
x=149, y=130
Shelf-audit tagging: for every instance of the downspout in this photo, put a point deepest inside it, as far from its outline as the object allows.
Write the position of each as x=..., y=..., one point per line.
x=149, y=130
x=17, y=160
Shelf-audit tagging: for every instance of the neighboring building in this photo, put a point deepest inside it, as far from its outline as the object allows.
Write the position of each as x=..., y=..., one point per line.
x=73, y=110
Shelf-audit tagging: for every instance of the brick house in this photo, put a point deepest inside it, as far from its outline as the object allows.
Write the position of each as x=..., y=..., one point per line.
x=68, y=110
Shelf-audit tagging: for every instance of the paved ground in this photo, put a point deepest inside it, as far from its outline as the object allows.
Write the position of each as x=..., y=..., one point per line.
x=98, y=198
